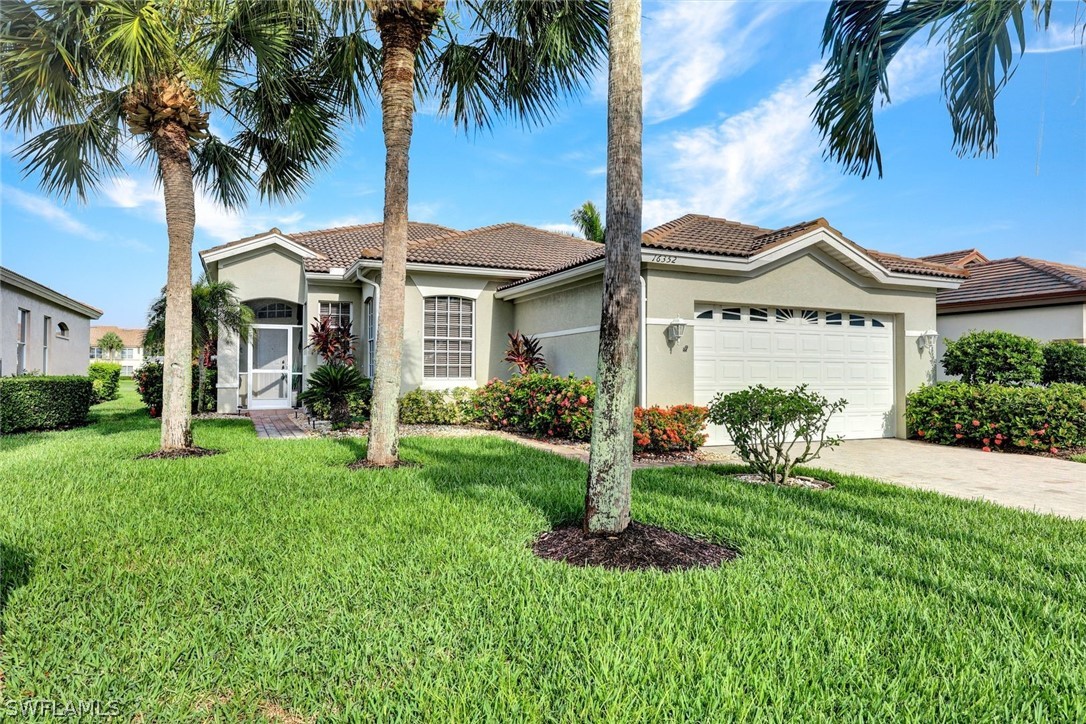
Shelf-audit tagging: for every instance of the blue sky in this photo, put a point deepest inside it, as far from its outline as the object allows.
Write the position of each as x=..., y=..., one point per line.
x=727, y=133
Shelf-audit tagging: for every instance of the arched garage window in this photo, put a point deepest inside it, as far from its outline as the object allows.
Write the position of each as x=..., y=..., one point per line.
x=448, y=343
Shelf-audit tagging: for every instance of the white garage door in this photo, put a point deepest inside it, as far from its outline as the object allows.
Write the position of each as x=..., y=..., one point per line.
x=840, y=354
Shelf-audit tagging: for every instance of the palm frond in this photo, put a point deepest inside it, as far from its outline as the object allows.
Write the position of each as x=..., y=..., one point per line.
x=224, y=171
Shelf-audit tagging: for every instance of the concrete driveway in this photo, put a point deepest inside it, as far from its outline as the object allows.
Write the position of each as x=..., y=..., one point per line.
x=1030, y=482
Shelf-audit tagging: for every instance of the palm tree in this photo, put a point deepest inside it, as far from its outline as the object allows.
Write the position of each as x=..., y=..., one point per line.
x=861, y=39
x=215, y=309
x=112, y=343
x=89, y=77
x=610, y=468
x=588, y=220
x=487, y=58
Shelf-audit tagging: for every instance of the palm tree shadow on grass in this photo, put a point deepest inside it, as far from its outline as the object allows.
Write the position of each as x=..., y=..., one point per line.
x=15, y=569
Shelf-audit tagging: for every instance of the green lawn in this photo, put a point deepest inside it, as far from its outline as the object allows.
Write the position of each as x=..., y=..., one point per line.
x=1079, y=458
x=271, y=581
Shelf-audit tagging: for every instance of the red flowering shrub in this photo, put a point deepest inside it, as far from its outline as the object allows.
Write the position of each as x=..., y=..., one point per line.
x=149, y=385
x=664, y=429
x=998, y=417
x=547, y=405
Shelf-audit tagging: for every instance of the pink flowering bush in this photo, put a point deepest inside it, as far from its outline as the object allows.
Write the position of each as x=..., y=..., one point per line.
x=667, y=429
x=995, y=417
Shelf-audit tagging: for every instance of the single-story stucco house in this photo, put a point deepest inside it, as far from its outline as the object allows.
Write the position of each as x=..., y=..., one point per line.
x=44, y=331
x=1045, y=300
x=724, y=305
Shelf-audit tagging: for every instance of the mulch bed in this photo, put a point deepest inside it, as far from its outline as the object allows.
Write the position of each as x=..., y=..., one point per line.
x=794, y=481
x=640, y=547
x=185, y=452
x=1065, y=453
x=367, y=465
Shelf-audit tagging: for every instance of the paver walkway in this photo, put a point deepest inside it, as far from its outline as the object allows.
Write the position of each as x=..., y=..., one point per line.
x=278, y=424
x=1031, y=482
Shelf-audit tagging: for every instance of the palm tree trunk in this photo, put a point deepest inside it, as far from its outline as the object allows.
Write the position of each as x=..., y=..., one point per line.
x=403, y=24
x=172, y=146
x=607, y=500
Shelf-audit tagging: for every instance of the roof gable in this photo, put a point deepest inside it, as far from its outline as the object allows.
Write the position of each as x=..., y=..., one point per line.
x=961, y=258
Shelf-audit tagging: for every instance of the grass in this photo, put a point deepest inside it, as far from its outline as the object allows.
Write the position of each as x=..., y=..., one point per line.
x=1079, y=458
x=271, y=582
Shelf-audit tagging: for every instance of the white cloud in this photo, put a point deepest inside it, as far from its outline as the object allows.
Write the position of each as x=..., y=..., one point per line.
x=143, y=196
x=915, y=71
x=47, y=209
x=757, y=166
x=1058, y=38
x=690, y=46
x=570, y=229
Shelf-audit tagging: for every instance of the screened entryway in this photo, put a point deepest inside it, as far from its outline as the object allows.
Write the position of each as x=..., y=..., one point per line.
x=270, y=363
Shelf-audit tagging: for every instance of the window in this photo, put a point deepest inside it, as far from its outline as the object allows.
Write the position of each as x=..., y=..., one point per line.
x=876, y=323
x=833, y=319
x=128, y=353
x=810, y=316
x=731, y=314
x=275, y=310
x=96, y=353
x=759, y=314
x=46, y=329
x=62, y=330
x=707, y=314
x=371, y=338
x=448, y=338
x=20, y=345
x=338, y=312
x=785, y=315
x=855, y=320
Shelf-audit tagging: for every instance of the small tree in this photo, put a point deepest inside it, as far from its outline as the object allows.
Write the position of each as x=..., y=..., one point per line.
x=525, y=353
x=334, y=343
x=333, y=385
x=768, y=424
x=110, y=342
x=994, y=357
x=1065, y=361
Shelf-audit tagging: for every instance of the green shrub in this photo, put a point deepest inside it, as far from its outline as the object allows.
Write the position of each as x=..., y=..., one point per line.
x=149, y=385
x=766, y=424
x=665, y=429
x=539, y=404
x=437, y=407
x=330, y=390
x=1065, y=361
x=44, y=403
x=106, y=378
x=994, y=357
x=996, y=416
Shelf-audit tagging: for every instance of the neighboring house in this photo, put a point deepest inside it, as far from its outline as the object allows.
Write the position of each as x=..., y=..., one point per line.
x=1041, y=299
x=724, y=305
x=131, y=357
x=43, y=330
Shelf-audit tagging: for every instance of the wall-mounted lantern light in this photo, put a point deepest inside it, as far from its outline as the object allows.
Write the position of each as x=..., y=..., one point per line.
x=925, y=341
x=675, y=331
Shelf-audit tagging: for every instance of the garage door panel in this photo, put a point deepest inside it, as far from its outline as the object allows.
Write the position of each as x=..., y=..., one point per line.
x=850, y=362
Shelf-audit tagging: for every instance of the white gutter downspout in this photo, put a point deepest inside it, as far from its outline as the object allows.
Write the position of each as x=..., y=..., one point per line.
x=376, y=310
x=642, y=362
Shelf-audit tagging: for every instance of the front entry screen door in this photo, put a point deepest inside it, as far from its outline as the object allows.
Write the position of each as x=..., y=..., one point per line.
x=270, y=367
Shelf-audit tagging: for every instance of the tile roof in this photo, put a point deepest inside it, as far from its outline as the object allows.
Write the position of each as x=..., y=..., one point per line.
x=130, y=337
x=1007, y=281
x=702, y=234
x=961, y=257
x=344, y=245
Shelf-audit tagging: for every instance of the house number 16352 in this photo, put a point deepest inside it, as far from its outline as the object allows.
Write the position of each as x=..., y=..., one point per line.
x=665, y=259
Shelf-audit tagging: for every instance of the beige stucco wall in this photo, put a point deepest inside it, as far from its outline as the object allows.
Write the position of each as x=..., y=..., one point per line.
x=812, y=281
x=1065, y=321
x=67, y=356
x=318, y=292
x=573, y=311
x=267, y=273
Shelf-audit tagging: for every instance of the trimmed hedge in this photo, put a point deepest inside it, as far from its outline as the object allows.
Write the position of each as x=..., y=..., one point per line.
x=438, y=407
x=1065, y=361
x=546, y=405
x=44, y=403
x=994, y=416
x=149, y=384
x=994, y=357
x=106, y=378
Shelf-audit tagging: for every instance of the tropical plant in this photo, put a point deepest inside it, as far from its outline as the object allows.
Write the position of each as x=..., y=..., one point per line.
x=486, y=58
x=215, y=309
x=766, y=424
x=525, y=353
x=588, y=220
x=85, y=77
x=332, y=342
x=994, y=356
x=112, y=343
x=332, y=385
x=105, y=378
x=610, y=470
x=861, y=39
x=1065, y=361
